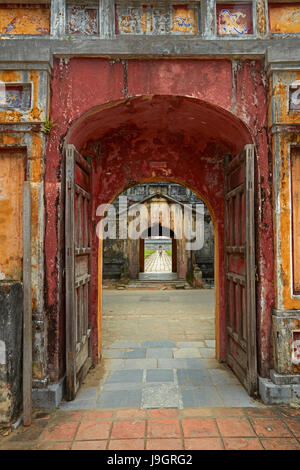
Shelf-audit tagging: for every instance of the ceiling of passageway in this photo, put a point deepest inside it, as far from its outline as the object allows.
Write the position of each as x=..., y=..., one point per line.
x=151, y=115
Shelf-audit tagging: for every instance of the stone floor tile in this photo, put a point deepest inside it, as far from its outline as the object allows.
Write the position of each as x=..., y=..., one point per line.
x=190, y=344
x=126, y=444
x=140, y=363
x=124, y=344
x=187, y=353
x=139, y=353
x=121, y=386
x=89, y=445
x=158, y=344
x=87, y=394
x=242, y=443
x=211, y=343
x=120, y=399
x=235, y=395
x=132, y=375
x=164, y=444
x=163, y=428
x=128, y=429
x=172, y=363
x=235, y=427
x=93, y=430
x=159, y=353
x=270, y=427
x=113, y=353
x=161, y=396
x=223, y=377
x=159, y=375
x=197, y=377
x=280, y=443
x=113, y=364
x=203, y=443
x=196, y=363
x=199, y=427
x=209, y=353
x=196, y=397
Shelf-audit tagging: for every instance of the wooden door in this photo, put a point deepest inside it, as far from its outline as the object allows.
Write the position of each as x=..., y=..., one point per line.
x=142, y=255
x=174, y=255
x=240, y=268
x=78, y=269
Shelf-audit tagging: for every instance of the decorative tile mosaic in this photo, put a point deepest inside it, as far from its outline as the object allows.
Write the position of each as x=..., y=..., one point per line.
x=151, y=19
x=15, y=96
x=82, y=20
x=284, y=18
x=294, y=98
x=234, y=20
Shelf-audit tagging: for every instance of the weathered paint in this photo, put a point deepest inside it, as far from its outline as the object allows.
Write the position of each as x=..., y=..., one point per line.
x=152, y=19
x=82, y=20
x=280, y=114
x=33, y=19
x=295, y=212
x=20, y=130
x=122, y=119
x=234, y=19
x=284, y=18
x=37, y=111
x=11, y=210
x=261, y=21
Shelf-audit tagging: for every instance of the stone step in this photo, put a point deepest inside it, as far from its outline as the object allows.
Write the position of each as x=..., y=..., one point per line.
x=158, y=276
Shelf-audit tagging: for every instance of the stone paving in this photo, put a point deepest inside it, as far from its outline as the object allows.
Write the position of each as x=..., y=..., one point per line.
x=156, y=263
x=159, y=386
x=162, y=374
x=269, y=428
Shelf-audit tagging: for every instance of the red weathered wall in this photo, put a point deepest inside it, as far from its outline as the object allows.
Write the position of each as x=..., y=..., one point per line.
x=186, y=126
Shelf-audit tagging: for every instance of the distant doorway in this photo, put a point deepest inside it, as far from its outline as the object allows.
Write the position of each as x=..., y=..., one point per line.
x=158, y=256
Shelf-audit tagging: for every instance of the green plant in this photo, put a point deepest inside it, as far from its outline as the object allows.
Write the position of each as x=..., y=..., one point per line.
x=48, y=126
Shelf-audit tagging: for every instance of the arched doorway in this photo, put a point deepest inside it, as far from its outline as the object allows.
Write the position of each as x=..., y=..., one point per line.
x=162, y=235
x=140, y=143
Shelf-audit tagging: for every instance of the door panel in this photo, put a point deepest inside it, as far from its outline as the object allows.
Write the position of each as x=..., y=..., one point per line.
x=240, y=268
x=78, y=269
x=142, y=255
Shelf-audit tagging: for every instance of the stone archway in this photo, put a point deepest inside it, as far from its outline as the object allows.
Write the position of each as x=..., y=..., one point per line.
x=151, y=138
